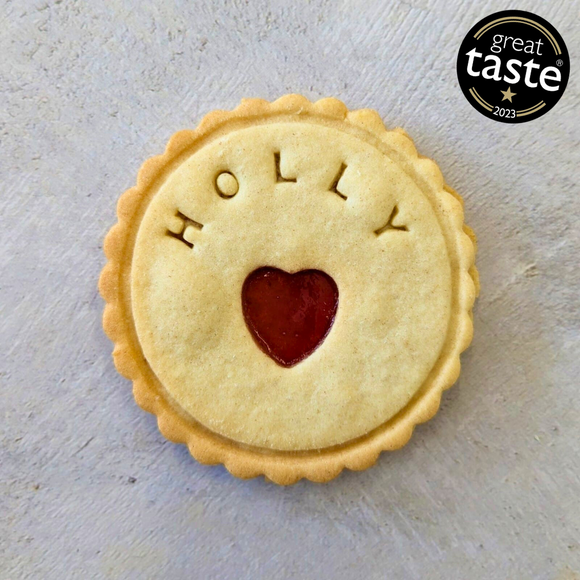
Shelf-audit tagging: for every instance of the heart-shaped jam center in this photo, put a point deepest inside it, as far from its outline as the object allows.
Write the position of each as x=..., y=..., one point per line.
x=289, y=315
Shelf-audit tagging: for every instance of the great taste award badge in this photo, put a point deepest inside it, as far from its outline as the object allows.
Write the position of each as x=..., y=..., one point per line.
x=513, y=66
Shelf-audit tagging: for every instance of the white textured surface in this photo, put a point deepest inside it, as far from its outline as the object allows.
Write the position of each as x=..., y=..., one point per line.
x=88, y=487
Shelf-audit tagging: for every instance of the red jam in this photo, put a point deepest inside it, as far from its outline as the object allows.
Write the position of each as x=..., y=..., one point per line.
x=289, y=315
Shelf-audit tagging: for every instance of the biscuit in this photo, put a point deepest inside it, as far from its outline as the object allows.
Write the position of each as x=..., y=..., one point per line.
x=289, y=287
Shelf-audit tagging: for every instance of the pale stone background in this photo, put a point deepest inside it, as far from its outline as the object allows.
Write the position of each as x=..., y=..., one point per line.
x=489, y=489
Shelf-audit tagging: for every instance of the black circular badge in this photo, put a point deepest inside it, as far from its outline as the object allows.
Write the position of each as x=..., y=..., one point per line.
x=513, y=66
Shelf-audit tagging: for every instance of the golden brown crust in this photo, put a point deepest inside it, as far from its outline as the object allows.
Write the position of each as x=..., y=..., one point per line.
x=207, y=447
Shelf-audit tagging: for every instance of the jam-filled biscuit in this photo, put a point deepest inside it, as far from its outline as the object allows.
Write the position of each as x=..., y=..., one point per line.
x=290, y=287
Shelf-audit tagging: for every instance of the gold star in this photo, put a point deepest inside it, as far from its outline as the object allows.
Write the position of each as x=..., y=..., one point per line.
x=508, y=94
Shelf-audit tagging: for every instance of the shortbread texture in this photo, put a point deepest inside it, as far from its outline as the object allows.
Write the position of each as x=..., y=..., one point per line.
x=395, y=288
x=292, y=185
